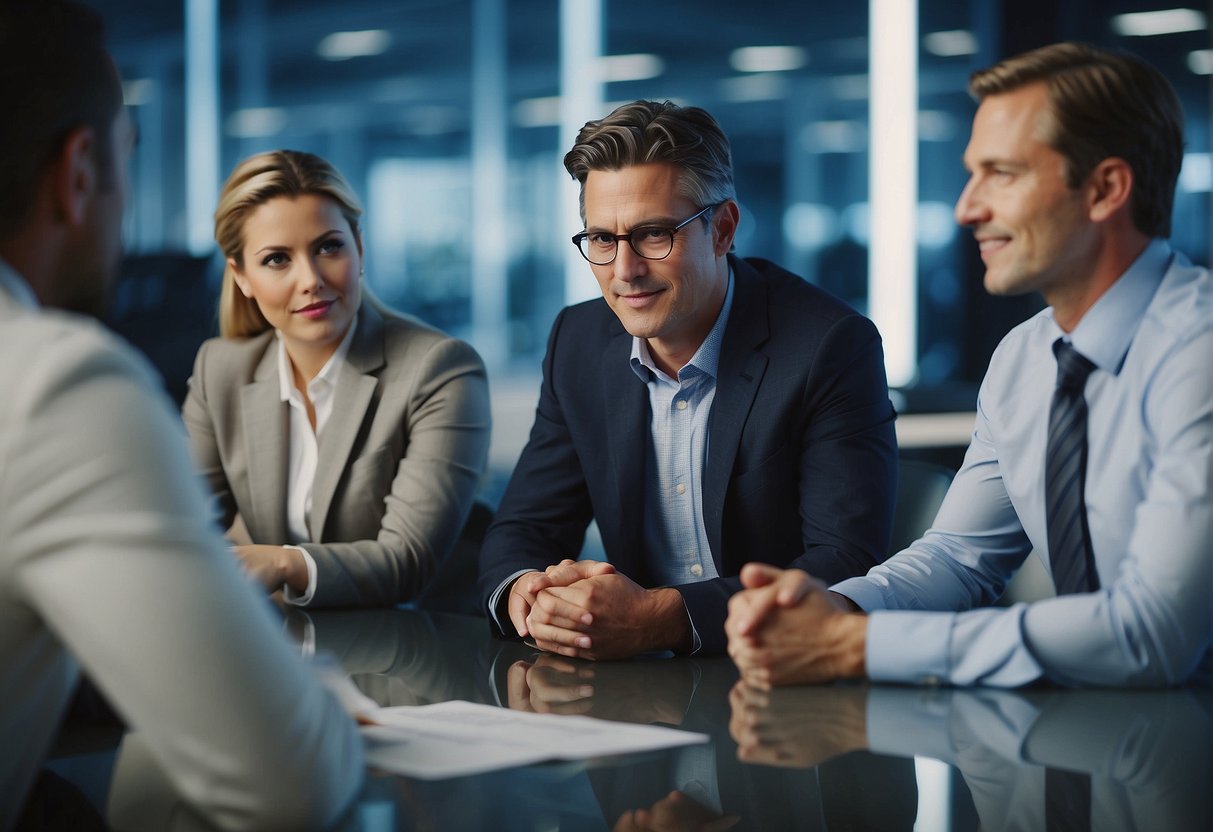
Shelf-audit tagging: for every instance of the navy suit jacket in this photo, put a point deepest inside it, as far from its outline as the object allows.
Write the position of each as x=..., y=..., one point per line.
x=801, y=461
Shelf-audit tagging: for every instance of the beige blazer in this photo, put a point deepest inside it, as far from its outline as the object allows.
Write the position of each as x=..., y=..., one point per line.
x=399, y=459
x=108, y=561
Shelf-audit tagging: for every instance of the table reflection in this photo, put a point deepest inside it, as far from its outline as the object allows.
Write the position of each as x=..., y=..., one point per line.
x=839, y=757
x=1145, y=756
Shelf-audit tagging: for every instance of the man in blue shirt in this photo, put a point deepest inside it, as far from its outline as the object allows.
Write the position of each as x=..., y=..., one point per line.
x=1073, y=161
x=707, y=410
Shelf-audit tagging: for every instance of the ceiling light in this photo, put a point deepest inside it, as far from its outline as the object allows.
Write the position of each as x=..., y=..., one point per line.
x=841, y=136
x=1196, y=175
x=768, y=58
x=256, y=122
x=936, y=126
x=951, y=43
x=763, y=87
x=637, y=67
x=138, y=91
x=432, y=120
x=1163, y=22
x=849, y=87
x=341, y=46
x=537, y=112
x=1201, y=61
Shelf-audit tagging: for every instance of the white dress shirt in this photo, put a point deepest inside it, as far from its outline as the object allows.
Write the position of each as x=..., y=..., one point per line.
x=302, y=449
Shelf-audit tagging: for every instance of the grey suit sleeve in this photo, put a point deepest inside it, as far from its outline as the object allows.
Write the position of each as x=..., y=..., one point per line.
x=447, y=425
x=107, y=544
x=203, y=446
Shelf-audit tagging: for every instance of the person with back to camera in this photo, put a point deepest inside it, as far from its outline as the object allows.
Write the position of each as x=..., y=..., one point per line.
x=109, y=563
x=347, y=439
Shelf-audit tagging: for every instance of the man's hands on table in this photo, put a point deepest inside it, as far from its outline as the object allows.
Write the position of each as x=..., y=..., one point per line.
x=787, y=628
x=586, y=609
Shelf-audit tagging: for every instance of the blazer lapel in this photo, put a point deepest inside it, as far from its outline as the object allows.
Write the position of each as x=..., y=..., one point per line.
x=351, y=401
x=264, y=419
x=739, y=375
x=626, y=409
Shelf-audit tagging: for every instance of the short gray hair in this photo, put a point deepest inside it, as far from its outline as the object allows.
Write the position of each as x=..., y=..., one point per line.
x=647, y=131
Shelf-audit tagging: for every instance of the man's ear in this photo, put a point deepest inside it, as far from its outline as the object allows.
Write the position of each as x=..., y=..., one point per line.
x=724, y=227
x=1109, y=188
x=74, y=173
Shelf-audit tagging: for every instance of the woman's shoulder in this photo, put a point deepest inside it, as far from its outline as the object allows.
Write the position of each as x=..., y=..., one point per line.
x=235, y=357
x=405, y=333
x=416, y=350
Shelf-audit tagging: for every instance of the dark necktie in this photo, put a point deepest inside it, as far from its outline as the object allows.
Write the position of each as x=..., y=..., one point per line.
x=1070, y=552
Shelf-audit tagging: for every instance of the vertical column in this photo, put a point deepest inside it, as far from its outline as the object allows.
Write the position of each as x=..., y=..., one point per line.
x=893, y=183
x=149, y=230
x=252, y=70
x=201, y=122
x=490, y=236
x=581, y=93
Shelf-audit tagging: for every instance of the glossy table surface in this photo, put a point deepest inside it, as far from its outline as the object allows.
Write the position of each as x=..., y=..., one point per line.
x=842, y=757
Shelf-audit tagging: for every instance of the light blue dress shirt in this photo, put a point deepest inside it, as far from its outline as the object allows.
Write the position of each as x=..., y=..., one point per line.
x=1149, y=499
x=675, y=535
x=675, y=538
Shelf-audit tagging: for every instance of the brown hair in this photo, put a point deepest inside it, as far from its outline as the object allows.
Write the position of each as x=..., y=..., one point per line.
x=646, y=131
x=254, y=182
x=1104, y=104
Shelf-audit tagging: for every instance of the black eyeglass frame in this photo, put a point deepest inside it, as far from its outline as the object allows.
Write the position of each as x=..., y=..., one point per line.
x=580, y=237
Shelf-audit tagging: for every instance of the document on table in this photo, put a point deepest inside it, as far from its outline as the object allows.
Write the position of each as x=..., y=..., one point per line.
x=453, y=739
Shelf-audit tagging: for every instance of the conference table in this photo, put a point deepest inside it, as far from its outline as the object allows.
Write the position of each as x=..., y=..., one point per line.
x=846, y=756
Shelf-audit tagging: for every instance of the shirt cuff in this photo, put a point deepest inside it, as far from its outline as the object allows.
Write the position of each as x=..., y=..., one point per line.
x=302, y=599
x=696, y=641
x=495, y=598
x=908, y=647
x=866, y=595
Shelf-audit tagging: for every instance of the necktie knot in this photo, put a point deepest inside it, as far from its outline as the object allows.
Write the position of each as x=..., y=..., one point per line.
x=1072, y=366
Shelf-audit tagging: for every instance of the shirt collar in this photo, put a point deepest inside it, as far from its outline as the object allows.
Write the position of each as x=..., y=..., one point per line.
x=1105, y=332
x=16, y=286
x=706, y=359
x=327, y=374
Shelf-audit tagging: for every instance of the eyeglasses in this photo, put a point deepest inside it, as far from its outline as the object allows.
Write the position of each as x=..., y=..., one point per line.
x=652, y=242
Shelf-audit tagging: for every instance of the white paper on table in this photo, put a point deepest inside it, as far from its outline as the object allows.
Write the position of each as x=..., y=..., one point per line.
x=453, y=739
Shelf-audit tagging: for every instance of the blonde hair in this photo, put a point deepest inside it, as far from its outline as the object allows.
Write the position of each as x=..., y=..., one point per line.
x=254, y=182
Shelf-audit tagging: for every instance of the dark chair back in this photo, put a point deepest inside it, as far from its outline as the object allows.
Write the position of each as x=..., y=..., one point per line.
x=164, y=306
x=453, y=586
x=920, y=492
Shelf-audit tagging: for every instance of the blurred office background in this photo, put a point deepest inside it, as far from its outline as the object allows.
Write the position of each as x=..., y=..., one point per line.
x=450, y=117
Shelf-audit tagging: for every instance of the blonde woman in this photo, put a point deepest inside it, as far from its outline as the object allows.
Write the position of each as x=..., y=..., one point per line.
x=347, y=439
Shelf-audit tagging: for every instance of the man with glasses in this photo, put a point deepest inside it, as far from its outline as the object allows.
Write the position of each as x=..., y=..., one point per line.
x=709, y=410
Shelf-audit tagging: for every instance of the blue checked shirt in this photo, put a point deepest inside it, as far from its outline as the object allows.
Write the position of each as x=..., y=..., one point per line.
x=676, y=542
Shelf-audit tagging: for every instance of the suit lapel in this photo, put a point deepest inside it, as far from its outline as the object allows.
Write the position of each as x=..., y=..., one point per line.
x=739, y=375
x=626, y=409
x=264, y=420
x=351, y=401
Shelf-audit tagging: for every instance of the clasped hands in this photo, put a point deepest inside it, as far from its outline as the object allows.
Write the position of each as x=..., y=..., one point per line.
x=586, y=609
x=273, y=567
x=639, y=692
x=787, y=628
